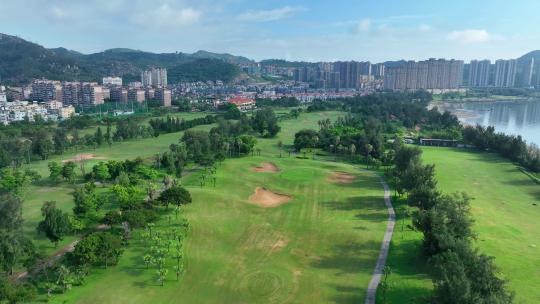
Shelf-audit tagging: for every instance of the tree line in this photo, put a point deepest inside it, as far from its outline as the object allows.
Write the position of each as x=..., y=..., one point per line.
x=509, y=146
x=460, y=273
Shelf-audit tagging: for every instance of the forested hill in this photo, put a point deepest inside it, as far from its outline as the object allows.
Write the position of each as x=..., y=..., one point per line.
x=21, y=61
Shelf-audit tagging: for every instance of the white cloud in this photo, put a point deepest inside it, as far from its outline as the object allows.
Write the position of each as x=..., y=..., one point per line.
x=165, y=15
x=470, y=36
x=270, y=15
x=363, y=26
x=57, y=13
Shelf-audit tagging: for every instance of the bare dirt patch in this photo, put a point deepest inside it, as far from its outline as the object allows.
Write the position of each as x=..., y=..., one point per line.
x=268, y=199
x=82, y=157
x=280, y=244
x=266, y=167
x=341, y=177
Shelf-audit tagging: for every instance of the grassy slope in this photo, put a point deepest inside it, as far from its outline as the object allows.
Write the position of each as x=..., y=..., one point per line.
x=329, y=233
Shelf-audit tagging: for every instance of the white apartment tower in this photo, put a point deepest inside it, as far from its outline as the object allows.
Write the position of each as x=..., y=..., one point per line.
x=479, y=73
x=154, y=77
x=505, y=73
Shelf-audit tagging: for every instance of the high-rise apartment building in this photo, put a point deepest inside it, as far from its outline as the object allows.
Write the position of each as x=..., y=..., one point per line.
x=164, y=96
x=505, y=73
x=430, y=74
x=136, y=95
x=378, y=70
x=526, y=72
x=154, y=77
x=479, y=73
x=46, y=90
x=351, y=72
x=112, y=81
x=119, y=94
x=82, y=93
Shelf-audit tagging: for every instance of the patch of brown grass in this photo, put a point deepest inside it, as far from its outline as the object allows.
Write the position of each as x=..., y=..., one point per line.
x=82, y=157
x=341, y=177
x=266, y=167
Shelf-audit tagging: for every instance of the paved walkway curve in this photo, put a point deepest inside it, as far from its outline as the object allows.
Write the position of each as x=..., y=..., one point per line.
x=381, y=260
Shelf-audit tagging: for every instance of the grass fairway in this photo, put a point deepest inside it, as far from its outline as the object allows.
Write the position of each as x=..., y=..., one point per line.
x=319, y=247
x=507, y=222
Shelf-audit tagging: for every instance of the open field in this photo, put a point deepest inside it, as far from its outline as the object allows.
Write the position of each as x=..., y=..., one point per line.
x=320, y=244
x=506, y=219
x=36, y=195
x=506, y=222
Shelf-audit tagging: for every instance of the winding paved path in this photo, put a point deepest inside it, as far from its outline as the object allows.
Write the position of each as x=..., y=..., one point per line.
x=381, y=261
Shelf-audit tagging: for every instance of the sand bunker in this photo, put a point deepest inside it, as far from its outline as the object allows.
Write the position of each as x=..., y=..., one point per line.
x=268, y=199
x=341, y=177
x=265, y=167
x=82, y=157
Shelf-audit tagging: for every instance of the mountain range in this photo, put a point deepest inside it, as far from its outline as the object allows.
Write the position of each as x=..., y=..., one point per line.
x=21, y=61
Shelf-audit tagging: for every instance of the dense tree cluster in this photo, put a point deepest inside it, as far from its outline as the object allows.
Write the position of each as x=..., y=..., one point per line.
x=372, y=120
x=103, y=248
x=509, y=146
x=227, y=139
x=461, y=273
x=175, y=124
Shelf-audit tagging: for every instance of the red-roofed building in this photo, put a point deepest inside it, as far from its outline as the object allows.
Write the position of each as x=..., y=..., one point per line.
x=242, y=103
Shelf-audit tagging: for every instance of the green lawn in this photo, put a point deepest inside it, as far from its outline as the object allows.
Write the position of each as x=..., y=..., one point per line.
x=506, y=222
x=319, y=247
x=36, y=195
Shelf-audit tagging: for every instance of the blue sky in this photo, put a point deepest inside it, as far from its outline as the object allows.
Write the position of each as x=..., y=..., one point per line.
x=294, y=30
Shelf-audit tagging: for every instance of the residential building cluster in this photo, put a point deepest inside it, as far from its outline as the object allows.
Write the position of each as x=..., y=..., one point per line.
x=154, y=77
x=26, y=110
x=432, y=74
x=340, y=75
x=504, y=73
x=69, y=93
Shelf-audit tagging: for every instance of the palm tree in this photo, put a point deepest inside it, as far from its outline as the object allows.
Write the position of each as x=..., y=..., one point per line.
x=352, y=150
x=337, y=140
x=368, y=148
x=280, y=147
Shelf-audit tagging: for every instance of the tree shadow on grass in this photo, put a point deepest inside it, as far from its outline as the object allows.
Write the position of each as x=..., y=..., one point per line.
x=350, y=258
x=371, y=208
x=348, y=294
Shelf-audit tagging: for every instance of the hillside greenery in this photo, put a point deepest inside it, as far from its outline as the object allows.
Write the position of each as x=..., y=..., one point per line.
x=21, y=61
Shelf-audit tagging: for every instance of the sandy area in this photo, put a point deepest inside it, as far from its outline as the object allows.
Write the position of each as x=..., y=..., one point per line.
x=341, y=177
x=268, y=199
x=82, y=157
x=265, y=167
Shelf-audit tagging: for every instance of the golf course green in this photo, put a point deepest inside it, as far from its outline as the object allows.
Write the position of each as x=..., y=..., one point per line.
x=319, y=244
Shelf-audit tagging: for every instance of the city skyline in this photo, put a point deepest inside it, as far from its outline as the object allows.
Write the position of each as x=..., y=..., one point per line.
x=292, y=30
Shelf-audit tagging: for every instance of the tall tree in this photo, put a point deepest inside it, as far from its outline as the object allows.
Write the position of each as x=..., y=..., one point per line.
x=176, y=195
x=99, y=137
x=55, y=224
x=55, y=171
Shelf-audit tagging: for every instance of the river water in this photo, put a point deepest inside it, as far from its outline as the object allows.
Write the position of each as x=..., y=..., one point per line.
x=510, y=117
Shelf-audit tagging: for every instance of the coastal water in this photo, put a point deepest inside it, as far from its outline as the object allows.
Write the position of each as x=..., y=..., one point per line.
x=507, y=116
